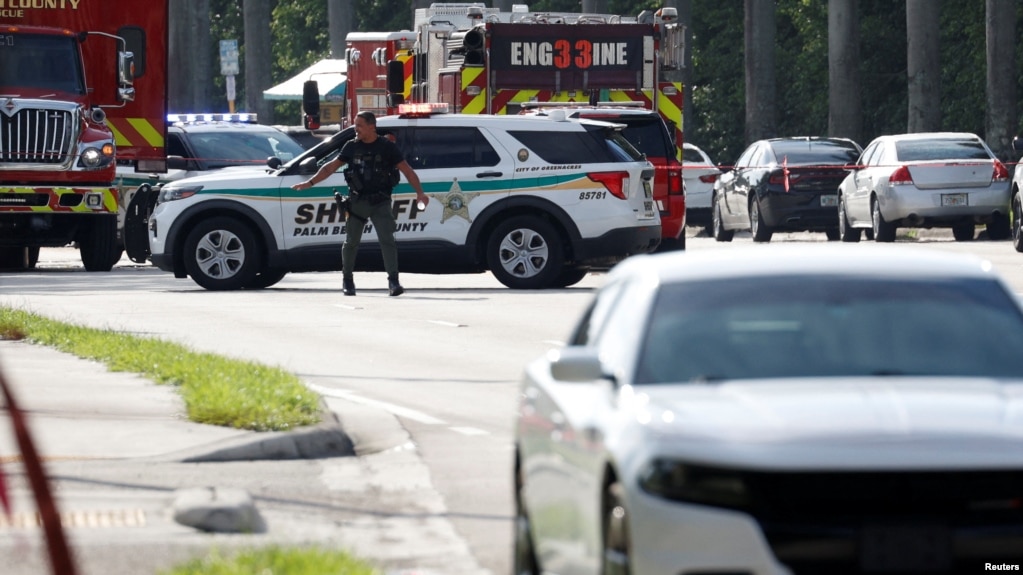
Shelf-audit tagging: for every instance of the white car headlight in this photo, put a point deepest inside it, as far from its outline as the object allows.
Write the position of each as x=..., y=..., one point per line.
x=712, y=486
x=173, y=192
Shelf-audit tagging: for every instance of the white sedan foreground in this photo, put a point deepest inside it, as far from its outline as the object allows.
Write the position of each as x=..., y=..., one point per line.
x=799, y=409
x=926, y=180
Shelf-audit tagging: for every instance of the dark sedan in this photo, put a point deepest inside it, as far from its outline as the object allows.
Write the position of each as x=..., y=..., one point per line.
x=783, y=184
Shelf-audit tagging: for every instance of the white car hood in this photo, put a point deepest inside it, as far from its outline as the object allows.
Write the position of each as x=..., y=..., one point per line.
x=846, y=423
x=232, y=174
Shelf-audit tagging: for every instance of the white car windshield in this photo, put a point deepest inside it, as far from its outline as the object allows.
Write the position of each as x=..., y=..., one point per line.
x=780, y=327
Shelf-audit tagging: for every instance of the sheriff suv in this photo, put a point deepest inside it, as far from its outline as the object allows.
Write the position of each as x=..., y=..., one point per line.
x=200, y=143
x=537, y=201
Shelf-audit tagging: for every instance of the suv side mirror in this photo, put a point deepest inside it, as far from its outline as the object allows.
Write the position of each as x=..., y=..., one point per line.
x=177, y=163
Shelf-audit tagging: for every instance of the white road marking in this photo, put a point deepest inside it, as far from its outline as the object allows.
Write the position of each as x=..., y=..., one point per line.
x=469, y=431
x=445, y=323
x=395, y=409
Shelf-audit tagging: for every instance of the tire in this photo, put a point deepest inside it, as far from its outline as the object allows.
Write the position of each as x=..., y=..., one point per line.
x=761, y=231
x=525, y=252
x=571, y=276
x=846, y=232
x=884, y=232
x=832, y=234
x=221, y=253
x=98, y=245
x=672, y=244
x=998, y=228
x=718, y=226
x=524, y=553
x=616, y=532
x=1017, y=222
x=19, y=259
x=964, y=232
x=266, y=278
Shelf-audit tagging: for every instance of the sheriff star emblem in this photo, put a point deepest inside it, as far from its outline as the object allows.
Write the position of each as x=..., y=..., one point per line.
x=455, y=202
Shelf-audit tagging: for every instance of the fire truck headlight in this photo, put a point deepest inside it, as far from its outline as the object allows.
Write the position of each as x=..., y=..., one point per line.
x=171, y=193
x=93, y=158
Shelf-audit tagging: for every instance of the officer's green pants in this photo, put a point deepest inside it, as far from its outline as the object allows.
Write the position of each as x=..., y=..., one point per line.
x=382, y=218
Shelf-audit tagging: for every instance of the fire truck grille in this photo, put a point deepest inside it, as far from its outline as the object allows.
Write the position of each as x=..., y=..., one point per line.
x=33, y=136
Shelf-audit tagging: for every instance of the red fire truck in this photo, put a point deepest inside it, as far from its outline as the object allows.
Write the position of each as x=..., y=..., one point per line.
x=83, y=86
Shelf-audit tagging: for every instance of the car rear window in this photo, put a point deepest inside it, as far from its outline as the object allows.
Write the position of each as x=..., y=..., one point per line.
x=594, y=144
x=947, y=149
x=815, y=152
x=794, y=326
x=647, y=133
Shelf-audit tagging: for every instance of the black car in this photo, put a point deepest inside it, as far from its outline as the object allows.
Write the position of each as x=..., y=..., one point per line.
x=783, y=184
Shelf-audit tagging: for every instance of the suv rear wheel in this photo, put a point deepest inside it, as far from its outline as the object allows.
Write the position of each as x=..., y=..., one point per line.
x=525, y=252
x=222, y=254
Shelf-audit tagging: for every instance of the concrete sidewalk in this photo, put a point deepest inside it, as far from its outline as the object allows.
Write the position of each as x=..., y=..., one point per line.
x=78, y=409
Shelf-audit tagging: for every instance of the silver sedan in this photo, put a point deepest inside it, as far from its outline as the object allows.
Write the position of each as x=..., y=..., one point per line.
x=808, y=408
x=925, y=180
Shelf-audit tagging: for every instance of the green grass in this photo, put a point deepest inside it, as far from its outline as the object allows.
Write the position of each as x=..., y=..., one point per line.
x=275, y=561
x=216, y=390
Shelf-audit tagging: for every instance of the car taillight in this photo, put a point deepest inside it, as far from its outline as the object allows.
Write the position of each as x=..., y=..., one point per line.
x=778, y=177
x=1001, y=172
x=900, y=176
x=675, y=185
x=709, y=178
x=613, y=181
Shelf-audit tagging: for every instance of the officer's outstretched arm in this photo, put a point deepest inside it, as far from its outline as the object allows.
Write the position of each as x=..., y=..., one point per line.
x=325, y=171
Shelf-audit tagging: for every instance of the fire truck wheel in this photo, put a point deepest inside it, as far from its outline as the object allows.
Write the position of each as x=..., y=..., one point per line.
x=19, y=258
x=97, y=244
x=525, y=252
x=222, y=253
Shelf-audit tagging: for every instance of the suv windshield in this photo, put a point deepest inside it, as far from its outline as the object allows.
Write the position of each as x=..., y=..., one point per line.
x=224, y=148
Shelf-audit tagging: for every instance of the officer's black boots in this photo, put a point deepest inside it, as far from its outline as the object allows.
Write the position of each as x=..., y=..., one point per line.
x=348, y=287
x=394, y=288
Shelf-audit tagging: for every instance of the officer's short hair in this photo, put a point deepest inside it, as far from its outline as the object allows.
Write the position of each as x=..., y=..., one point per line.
x=368, y=116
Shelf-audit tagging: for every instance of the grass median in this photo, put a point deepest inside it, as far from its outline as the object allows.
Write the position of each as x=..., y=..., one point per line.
x=216, y=390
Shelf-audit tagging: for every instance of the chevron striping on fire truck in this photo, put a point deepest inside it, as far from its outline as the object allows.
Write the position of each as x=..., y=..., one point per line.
x=482, y=60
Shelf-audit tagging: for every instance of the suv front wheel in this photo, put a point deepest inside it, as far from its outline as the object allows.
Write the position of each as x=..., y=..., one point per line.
x=222, y=254
x=525, y=252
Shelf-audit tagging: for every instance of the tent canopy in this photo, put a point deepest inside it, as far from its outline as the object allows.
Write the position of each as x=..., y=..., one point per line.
x=329, y=74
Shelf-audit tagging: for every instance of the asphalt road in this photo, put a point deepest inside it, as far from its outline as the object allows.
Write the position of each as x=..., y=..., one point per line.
x=439, y=365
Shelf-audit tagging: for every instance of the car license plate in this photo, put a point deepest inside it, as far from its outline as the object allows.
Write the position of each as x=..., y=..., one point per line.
x=954, y=200
x=829, y=200
x=904, y=548
x=648, y=208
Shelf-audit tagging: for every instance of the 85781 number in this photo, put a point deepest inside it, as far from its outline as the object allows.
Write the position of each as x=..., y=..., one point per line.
x=592, y=195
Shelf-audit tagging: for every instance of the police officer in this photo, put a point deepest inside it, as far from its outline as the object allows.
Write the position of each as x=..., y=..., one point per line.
x=371, y=162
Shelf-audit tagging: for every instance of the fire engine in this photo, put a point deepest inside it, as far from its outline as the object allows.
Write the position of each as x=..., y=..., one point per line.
x=83, y=86
x=483, y=60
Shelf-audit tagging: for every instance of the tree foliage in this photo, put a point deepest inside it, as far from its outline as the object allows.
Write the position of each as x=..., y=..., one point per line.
x=716, y=120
